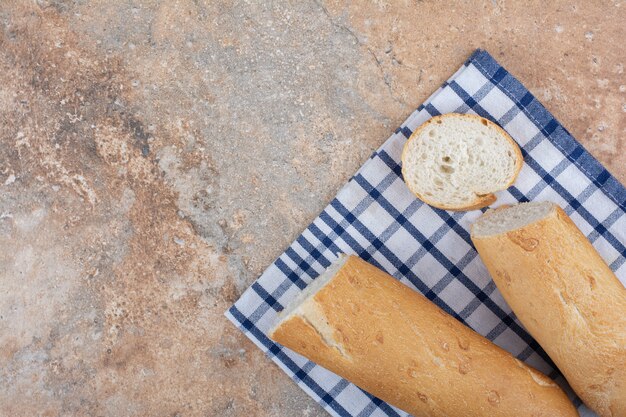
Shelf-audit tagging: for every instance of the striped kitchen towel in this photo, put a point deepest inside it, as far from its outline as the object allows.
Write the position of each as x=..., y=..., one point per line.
x=375, y=217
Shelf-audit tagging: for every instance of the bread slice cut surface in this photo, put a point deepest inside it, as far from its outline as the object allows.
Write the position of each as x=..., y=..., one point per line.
x=458, y=161
x=495, y=222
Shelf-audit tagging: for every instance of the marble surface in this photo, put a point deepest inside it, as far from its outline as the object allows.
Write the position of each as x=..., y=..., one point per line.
x=156, y=156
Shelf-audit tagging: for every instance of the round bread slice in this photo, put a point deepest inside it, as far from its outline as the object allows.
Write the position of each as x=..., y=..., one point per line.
x=457, y=161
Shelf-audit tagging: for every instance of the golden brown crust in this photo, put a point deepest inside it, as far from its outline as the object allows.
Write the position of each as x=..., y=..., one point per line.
x=569, y=300
x=481, y=200
x=399, y=346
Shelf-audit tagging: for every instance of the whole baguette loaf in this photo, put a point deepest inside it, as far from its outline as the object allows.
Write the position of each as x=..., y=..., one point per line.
x=371, y=329
x=565, y=295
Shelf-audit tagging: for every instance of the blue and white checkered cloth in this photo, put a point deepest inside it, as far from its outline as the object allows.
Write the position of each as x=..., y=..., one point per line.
x=375, y=217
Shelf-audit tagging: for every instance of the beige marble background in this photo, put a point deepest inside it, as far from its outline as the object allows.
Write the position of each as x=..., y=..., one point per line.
x=155, y=157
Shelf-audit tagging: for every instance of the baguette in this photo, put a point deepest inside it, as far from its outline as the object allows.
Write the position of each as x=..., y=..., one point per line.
x=366, y=326
x=565, y=295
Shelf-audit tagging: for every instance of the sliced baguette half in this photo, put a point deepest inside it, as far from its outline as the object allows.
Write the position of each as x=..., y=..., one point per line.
x=366, y=326
x=565, y=295
x=458, y=161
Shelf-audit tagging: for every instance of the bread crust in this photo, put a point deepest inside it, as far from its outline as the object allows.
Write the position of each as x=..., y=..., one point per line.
x=394, y=343
x=569, y=300
x=481, y=200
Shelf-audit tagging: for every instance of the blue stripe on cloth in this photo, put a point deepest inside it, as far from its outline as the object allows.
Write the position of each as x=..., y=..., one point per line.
x=432, y=110
x=291, y=275
x=470, y=101
x=378, y=403
x=267, y=297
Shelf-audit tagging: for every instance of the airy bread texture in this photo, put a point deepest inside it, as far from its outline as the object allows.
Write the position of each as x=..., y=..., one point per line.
x=457, y=161
x=565, y=295
x=369, y=328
